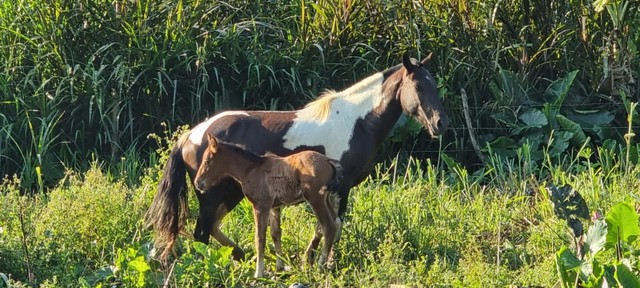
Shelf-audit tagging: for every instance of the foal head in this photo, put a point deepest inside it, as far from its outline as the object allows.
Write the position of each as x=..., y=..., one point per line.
x=213, y=167
x=419, y=96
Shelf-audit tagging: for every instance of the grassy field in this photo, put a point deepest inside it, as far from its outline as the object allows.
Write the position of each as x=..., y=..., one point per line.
x=414, y=223
x=550, y=87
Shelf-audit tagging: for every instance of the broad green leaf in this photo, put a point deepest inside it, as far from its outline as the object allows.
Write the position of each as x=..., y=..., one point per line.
x=588, y=119
x=496, y=91
x=530, y=144
x=224, y=255
x=579, y=137
x=622, y=223
x=569, y=205
x=505, y=118
x=596, y=237
x=534, y=118
x=201, y=248
x=609, y=275
x=596, y=277
x=5, y=279
x=593, y=121
x=568, y=260
x=625, y=277
x=449, y=161
x=558, y=90
x=139, y=264
x=609, y=144
x=560, y=143
x=503, y=146
x=567, y=266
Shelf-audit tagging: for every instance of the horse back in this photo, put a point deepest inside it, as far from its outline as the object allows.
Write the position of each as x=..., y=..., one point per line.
x=312, y=166
x=257, y=131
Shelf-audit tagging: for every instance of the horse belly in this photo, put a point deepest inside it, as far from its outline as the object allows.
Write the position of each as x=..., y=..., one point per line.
x=284, y=190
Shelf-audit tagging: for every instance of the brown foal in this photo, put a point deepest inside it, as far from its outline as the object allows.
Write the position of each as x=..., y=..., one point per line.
x=270, y=182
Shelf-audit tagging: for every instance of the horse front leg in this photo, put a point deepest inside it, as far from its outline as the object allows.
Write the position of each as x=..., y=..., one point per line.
x=204, y=223
x=215, y=204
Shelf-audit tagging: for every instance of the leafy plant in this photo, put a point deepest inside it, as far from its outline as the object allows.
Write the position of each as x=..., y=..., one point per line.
x=133, y=267
x=545, y=124
x=568, y=204
x=203, y=265
x=611, y=252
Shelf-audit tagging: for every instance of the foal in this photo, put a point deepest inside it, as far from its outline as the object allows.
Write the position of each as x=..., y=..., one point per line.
x=270, y=182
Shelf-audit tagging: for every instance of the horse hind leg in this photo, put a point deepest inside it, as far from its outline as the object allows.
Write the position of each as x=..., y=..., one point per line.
x=313, y=245
x=327, y=228
x=276, y=235
x=332, y=201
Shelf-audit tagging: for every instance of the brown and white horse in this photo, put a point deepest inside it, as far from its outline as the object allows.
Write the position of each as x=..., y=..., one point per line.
x=348, y=125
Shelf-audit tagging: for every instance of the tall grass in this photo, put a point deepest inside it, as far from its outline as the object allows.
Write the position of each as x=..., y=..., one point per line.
x=102, y=74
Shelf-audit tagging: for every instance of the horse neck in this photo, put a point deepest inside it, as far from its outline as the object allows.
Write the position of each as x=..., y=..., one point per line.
x=384, y=93
x=386, y=114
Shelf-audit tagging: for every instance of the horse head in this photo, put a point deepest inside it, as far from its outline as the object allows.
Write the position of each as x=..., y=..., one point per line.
x=419, y=96
x=209, y=173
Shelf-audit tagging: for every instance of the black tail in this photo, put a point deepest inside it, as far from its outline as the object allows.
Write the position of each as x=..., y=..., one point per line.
x=169, y=208
x=338, y=176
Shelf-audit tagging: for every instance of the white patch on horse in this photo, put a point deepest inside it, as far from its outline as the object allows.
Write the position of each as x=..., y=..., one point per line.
x=335, y=132
x=197, y=133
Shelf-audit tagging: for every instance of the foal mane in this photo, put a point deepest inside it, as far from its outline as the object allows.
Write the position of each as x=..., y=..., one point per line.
x=243, y=151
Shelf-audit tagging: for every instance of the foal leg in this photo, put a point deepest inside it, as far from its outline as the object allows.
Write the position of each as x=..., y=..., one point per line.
x=326, y=218
x=328, y=224
x=276, y=235
x=261, y=217
x=332, y=200
x=313, y=245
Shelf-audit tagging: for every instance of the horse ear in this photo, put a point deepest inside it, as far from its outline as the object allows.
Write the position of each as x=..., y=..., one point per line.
x=213, y=143
x=426, y=59
x=406, y=61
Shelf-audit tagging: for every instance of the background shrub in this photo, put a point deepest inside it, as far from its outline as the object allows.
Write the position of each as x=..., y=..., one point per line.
x=91, y=79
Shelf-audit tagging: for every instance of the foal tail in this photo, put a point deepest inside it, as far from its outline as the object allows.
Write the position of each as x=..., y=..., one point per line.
x=338, y=175
x=169, y=207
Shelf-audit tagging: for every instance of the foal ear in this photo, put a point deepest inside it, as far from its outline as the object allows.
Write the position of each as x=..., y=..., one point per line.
x=408, y=64
x=426, y=59
x=213, y=143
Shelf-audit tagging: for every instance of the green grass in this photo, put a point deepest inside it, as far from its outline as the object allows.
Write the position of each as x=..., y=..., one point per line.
x=408, y=225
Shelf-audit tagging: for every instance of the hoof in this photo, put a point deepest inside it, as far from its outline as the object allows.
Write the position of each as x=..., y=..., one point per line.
x=238, y=254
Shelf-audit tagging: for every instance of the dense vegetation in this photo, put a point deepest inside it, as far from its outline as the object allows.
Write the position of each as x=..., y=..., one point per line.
x=83, y=80
x=539, y=92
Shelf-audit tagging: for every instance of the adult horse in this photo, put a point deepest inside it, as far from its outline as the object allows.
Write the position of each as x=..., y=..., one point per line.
x=349, y=126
